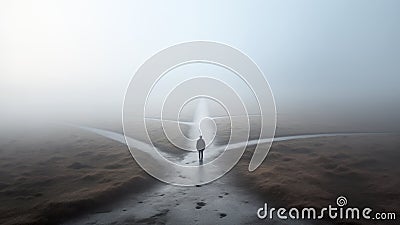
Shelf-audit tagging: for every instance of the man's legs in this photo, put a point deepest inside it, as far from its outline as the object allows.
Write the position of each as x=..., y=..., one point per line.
x=201, y=155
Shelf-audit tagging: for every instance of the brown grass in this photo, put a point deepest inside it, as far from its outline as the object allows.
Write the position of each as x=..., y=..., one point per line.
x=46, y=178
x=314, y=172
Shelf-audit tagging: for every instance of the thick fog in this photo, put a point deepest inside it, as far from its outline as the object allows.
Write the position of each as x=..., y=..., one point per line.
x=327, y=62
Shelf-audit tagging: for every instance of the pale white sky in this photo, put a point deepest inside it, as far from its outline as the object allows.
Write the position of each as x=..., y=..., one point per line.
x=74, y=59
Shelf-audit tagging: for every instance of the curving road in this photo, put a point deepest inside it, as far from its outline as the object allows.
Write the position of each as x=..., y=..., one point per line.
x=218, y=202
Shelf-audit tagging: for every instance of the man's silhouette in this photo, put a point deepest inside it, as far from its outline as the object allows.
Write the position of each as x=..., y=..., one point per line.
x=200, y=146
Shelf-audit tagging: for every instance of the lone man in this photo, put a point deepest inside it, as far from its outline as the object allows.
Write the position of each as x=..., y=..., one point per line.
x=200, y=146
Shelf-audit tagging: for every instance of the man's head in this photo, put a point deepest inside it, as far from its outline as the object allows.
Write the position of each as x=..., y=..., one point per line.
x=200, y=137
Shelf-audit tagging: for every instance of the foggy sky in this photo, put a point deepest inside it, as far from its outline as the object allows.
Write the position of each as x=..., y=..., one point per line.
x=326, y=60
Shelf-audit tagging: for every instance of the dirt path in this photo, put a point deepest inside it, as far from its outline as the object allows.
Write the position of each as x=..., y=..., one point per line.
x=215, y=203
x=219, y=202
